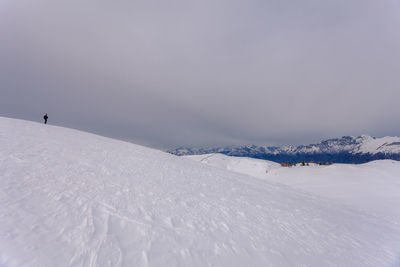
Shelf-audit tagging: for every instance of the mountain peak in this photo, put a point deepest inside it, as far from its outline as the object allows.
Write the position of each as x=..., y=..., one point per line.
x=347, y=149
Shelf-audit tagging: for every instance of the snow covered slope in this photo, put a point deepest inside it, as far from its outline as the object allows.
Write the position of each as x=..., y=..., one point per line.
x=373, y=187
x=69, y=198
x=249, y=166
x=388, y=145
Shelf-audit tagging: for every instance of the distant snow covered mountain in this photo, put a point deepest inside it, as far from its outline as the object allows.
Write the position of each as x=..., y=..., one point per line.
x=348, y=149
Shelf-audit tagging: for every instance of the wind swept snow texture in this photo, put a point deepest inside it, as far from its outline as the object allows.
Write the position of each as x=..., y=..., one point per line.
x=69, y=198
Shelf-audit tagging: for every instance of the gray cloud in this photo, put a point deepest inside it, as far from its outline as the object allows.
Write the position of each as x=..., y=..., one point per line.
x=204, y=72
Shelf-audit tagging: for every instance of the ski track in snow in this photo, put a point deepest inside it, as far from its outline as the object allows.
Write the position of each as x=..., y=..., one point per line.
x=69, y=198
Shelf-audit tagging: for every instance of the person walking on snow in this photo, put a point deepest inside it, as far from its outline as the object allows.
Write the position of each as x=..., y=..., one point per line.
x=45, y=117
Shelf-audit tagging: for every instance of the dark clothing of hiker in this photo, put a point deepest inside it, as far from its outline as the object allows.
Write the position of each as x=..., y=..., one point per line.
x=45, y=117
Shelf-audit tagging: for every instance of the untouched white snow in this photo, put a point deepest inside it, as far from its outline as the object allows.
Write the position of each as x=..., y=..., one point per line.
x=373, y=187
x=69, y=198
x=249, y=166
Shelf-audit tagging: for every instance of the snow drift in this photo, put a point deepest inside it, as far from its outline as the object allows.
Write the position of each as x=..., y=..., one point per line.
x=69, y=198
x=372, y=187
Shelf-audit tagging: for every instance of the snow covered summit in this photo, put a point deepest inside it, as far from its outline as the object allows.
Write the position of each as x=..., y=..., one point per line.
x=69, y=198
x=347, y=149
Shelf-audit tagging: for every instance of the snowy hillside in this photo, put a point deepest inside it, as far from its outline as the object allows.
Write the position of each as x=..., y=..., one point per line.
x=253, y=167
x=373, y=187
x=388, y=144
x=69, y=198
x=348, y=149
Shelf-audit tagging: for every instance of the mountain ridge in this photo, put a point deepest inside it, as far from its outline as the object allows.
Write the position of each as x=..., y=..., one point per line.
x=347, y=149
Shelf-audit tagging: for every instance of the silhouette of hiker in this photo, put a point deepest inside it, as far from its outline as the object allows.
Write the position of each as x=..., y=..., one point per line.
x=45, y=117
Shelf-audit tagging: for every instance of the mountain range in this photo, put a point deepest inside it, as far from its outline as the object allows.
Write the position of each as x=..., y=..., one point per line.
x=347, y=149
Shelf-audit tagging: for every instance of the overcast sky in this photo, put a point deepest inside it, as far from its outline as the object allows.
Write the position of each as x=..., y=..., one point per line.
x=208, y=72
